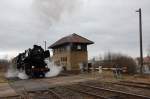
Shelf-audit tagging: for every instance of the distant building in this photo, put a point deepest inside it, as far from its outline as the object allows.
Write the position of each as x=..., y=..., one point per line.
x=146, y=65
x=71, y=52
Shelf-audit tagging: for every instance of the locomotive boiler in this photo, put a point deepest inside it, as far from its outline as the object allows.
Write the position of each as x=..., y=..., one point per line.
x=32, y=61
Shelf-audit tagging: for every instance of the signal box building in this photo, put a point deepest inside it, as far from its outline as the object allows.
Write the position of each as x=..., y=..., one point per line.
x=71, y=51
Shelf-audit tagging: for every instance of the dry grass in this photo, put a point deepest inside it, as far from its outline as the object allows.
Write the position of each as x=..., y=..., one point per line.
x=108, y=76
x=2, y=77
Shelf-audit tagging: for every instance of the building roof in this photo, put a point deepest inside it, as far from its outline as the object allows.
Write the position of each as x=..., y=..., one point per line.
x=73, y=38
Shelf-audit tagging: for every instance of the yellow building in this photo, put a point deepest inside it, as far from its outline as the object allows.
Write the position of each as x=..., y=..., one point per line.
x=71, y=51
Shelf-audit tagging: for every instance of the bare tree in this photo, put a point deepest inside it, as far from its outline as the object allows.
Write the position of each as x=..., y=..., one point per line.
x=4, y=63
x=111, y=59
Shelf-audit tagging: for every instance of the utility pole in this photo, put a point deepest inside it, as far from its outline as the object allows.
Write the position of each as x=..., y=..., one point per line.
x=141, y=46
x=45, y=45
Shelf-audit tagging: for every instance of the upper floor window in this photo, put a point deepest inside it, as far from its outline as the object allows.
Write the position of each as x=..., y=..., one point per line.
x=79, y=47
x=68, y=48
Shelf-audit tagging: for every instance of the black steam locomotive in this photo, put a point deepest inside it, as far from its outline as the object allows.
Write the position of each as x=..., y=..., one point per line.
x=32, y=62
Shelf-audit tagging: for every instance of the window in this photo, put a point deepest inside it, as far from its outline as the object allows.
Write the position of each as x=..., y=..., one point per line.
x=79, y=47
x=54, y=50
x=148, y=67
x=64, y=59
x=68, y=48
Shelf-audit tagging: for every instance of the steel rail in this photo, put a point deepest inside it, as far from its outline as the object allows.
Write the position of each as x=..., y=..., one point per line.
x=16, y=96
x=133, y=85
x=87, y=93
x=56, y=94
x=140, y=83
x=116, y=91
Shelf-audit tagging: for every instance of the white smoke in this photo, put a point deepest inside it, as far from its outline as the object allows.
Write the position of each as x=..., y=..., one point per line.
x=22, y=75
x=12, y=72
x=53, y=10
x=54, y=69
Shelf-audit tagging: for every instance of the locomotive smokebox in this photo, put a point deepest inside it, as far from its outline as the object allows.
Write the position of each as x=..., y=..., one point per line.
x=32, y=61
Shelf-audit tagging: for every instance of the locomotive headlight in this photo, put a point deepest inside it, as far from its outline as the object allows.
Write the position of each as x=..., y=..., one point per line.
x=32, y=66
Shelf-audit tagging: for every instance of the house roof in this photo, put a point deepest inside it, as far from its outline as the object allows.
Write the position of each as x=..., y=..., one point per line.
x=73, y=38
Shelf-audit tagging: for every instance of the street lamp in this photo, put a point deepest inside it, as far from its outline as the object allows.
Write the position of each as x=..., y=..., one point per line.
x=45, y=45
x=141, y=46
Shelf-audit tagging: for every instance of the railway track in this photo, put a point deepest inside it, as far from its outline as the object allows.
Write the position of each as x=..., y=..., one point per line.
x=130, y=87
x=85, y=90
x=134, y=84
x=55, y=93
x=11, y=97
x=119, y=94
x=88, y=91
x=148, y=84
x=44, y=94
x=60, y=92
x=65, y=93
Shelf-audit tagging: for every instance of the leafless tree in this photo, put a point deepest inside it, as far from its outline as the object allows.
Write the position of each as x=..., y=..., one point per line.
x=123, y=60
x=4, y=63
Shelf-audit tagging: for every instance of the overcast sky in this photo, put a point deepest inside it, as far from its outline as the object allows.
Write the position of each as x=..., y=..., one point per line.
x=111, y=24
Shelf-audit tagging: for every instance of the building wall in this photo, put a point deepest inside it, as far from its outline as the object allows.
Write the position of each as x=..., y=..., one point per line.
x=70, y=56
x=63, y=59
x=74, y=58
x=146, y=69
x=78, y=57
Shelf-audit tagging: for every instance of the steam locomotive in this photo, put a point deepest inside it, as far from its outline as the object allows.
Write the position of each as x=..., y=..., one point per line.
x=32, y=61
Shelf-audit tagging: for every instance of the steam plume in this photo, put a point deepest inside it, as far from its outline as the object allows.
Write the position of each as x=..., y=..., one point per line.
x=13, y=72
x=53, y=9
x=54, y=70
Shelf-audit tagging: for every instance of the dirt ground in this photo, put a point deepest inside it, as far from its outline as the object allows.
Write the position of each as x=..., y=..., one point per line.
x=15, y=87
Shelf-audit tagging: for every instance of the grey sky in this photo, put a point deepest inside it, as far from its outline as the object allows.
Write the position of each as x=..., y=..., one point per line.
x=111, y=24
